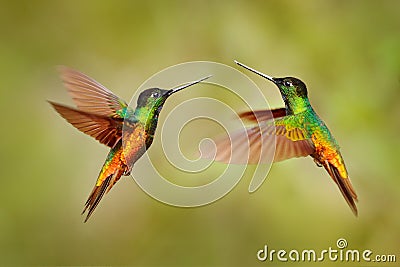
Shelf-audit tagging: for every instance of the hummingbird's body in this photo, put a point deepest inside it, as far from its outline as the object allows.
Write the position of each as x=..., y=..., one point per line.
x=325, y=149
x=296, y=131
x=109, y=119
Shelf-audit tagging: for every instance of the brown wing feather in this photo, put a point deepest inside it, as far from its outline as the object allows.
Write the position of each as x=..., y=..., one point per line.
x=257, y=145
x=89, y=95
x=104, y=129
x=263, y=115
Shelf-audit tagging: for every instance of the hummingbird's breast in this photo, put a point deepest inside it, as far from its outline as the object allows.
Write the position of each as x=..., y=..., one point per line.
x=326, y=147
x=135, y=143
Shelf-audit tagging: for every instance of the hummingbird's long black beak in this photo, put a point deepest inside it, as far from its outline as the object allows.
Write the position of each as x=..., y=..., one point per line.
x=256, y=71
x=174, y=90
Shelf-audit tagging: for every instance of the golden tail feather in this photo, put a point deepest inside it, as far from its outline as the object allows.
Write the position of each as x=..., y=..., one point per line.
x=98, y=192
x=344, y=185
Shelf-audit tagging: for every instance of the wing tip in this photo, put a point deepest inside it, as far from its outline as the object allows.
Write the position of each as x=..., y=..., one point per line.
x=65, y=70
x=262, y=115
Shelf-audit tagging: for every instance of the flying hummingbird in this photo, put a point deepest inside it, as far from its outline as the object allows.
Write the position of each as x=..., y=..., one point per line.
x=104, y=116
x=294, y=131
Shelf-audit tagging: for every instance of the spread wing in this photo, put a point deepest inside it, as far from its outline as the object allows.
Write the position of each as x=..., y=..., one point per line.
x=89, y=95
x=261, y=144
x=99, y=112
x=104, y=129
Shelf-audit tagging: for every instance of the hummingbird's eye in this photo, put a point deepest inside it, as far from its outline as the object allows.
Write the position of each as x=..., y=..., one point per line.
x=155, y=94
x=288, y=83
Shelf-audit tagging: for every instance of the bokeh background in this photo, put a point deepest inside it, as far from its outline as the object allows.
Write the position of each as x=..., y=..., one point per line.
x=348, y=53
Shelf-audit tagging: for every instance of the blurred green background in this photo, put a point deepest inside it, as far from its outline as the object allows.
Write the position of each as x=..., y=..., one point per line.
x=348, y=53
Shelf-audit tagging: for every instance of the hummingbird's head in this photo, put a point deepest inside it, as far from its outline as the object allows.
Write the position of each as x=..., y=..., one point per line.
x=293, y=90
x=152, y=97
x=151, y=101
x=291, y=87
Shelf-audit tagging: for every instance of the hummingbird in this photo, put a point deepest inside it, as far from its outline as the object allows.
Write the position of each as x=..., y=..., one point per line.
x=106, y=117
x=297, y=131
